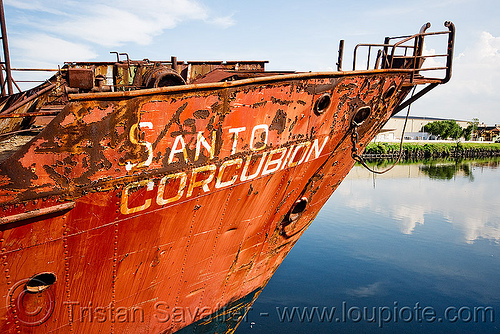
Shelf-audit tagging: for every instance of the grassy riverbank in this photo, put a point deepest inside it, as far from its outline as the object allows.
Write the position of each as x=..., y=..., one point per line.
x=432, y=150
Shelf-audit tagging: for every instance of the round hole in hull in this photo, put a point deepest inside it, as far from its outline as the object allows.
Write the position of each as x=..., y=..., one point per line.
x=362, y=114
x=390, y=92
x=322, y=103
x=298, y=208
x=40, y=282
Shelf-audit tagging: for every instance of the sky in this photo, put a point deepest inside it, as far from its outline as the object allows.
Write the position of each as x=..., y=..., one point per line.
x=292, y=35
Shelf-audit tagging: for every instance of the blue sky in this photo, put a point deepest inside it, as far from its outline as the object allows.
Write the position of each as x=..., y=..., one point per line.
x=292, y=35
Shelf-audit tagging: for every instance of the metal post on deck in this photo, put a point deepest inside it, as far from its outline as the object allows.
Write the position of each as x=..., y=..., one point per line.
x=6, y=62
x=341, y=55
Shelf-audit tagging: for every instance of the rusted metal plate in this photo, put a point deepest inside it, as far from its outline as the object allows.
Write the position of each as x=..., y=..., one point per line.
x=82, y=78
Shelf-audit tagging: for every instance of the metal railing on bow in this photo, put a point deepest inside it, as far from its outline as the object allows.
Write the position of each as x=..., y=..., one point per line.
x=407, y=52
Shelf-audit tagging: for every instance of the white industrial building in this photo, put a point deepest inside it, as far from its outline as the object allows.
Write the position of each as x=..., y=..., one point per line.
x=393, y=129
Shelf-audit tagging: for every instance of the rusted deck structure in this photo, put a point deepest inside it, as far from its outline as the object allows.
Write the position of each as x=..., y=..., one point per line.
x=160, y=197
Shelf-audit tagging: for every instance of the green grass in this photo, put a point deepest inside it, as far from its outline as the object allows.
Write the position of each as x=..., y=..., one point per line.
x=429, y=149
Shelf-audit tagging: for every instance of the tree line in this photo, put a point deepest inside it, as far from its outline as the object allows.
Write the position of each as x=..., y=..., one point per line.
x=450, y=129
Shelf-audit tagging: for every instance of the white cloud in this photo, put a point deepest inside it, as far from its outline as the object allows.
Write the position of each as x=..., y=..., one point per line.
x=110, y=26
x=33, y=6
x=49, y=32
x=409, y=217
x=465, y=205
x=116, y=22
x=223, y=22
x=473, y=88
x=370, y=290
x=477, y=68
x=488, y=47
x=44, y=49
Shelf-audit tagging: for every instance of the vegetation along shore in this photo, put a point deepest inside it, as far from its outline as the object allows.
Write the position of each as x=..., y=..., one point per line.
x=426, y=150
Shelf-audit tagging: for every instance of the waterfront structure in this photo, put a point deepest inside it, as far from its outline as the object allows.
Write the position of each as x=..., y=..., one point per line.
x=393, y=129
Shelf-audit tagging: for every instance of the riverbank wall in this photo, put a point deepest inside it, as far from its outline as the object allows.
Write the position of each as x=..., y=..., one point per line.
x=417, y=150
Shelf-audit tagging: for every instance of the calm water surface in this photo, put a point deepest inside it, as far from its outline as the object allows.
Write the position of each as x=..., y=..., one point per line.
x=416, y=250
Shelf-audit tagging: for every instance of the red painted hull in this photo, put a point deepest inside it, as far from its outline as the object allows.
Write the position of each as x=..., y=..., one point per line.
x=155, y=210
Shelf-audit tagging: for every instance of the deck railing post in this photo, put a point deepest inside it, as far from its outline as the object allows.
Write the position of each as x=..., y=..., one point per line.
x=6, y=62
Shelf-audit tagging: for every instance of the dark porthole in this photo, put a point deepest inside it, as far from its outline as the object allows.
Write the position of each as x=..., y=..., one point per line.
x=322, y=103
x=362, y=114
x=40, y=282
x=390, y=92
x=298, y=207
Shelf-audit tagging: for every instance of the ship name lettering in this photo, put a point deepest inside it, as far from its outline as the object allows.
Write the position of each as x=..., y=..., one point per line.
x=179, y=147
x=212, y=177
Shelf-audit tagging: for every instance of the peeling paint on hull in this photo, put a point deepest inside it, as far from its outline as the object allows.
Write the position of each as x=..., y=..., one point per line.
x=180, y=199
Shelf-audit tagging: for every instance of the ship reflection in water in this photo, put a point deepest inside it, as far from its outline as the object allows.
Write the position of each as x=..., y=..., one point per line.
x=414, y=250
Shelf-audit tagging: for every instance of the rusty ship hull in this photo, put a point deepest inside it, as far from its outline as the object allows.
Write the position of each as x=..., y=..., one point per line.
x=168, y=209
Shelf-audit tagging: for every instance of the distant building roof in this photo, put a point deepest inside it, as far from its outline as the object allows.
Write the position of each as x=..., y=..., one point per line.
x=428, y=118
x=495, y=128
